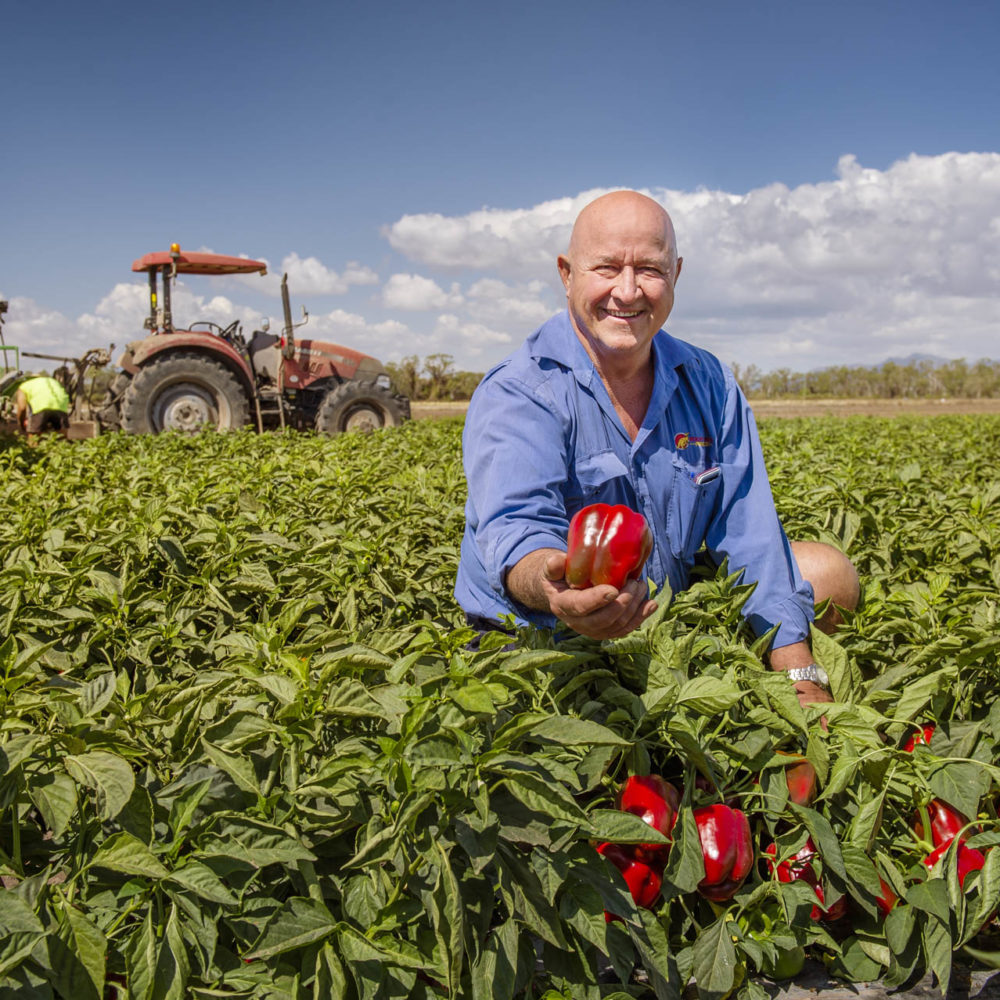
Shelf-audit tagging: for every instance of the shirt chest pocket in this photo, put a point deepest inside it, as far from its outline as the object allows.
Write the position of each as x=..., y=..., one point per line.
x=692, y=501
x=593, y=477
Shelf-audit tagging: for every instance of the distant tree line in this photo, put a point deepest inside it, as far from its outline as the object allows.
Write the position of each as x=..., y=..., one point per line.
x=925, y=379
x=435, y=378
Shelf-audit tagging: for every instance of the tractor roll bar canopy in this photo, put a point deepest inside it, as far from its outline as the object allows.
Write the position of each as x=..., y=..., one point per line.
x=199, y=263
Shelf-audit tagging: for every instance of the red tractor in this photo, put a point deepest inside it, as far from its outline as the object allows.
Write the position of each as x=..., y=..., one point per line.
x=206, y=375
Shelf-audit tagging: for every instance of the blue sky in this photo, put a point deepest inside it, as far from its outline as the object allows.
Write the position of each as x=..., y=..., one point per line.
x=833, y=169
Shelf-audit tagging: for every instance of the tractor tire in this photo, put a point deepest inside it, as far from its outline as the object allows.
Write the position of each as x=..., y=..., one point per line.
x=185, y=392
x=358, y=406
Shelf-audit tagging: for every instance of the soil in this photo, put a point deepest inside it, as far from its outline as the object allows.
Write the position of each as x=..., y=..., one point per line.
x=794, y=408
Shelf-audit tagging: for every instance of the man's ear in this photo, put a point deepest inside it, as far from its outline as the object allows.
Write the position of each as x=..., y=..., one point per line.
x=564, y=270
x=677, y=271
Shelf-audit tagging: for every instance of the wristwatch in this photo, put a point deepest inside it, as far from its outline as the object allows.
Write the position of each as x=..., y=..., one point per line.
x=814, y=672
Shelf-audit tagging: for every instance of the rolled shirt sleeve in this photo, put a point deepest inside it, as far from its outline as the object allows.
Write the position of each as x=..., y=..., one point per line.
x=515, y=465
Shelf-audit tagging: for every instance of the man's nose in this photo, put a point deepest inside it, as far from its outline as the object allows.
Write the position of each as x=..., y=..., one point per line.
x=626, y=287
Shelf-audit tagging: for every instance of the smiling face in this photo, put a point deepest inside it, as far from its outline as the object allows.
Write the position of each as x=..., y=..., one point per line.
x=619, y=274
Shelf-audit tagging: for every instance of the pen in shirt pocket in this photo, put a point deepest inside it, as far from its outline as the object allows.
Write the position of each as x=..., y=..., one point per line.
x=707, y=476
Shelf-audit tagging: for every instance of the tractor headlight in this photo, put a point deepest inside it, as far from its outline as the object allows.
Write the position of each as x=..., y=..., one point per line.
x=383, y=381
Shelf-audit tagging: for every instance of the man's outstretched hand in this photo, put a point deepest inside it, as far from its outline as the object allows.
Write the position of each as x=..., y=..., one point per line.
x=600, y=612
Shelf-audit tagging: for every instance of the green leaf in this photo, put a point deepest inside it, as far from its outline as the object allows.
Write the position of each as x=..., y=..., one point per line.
x=823, y=837
x=124, y=853
x=708, y=695
x=54, y=794
x=961, y=784
x=832, y=657
x=938, y=952
x=449, y=922
x=622, y=828
x=238, y=767
x=203, y=882
x=140, y=959
x=715, y=959
x=96, y=694
x=545, y=797
x=568, y=731
x=931, y=897
x=298, y=923
x=22, y=931
x=78, y=955
x=495, y=970
x=173, y=967
x=108, y=774
x=686, y=863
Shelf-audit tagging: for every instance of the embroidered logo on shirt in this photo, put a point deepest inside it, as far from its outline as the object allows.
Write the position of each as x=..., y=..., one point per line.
x=682, y=441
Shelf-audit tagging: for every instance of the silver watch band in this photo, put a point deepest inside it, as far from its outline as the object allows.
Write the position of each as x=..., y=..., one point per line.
x=814, y=672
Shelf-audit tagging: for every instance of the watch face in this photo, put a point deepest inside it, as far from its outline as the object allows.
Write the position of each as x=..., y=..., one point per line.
x=821, y=675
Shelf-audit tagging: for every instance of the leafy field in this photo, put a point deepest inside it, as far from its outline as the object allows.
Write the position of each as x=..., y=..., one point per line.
x=245, y=752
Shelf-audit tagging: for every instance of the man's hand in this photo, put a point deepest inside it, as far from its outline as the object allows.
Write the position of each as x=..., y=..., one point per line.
x=601, y=612
x=798, y=654
x=809, y=693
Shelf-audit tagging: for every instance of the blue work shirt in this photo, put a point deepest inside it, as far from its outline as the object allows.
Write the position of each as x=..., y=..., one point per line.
x=542, y=440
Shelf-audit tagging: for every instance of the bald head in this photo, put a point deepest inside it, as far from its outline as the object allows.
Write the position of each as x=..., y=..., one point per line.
x=626, y=210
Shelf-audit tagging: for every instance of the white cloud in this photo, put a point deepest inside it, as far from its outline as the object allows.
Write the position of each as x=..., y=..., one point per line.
x=522, y=242
x=473, y=345
x=415, y=292
x=310, y=276
x=523, y=306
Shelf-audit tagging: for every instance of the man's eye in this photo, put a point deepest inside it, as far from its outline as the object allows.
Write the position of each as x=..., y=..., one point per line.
x=651, y=272
x=606, y=270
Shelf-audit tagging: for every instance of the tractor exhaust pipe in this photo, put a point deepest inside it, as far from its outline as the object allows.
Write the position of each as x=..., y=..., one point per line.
x=288, y=333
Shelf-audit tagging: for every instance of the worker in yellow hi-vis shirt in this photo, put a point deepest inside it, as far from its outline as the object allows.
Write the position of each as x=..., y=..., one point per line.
x=41, y=404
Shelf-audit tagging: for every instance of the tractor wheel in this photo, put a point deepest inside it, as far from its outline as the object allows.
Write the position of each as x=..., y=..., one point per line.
x=358, y=406
x=184, y=392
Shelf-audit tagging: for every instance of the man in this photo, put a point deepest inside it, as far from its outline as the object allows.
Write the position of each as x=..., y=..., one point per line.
x=41, y=404
x=600, y=405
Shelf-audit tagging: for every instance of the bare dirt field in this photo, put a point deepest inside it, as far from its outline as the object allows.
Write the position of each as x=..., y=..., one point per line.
x=795, y=408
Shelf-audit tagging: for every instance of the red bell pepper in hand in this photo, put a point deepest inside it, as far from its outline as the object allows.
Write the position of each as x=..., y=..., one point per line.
x=655, y=801
x=946, y=822
x=606, y=544
x=727, y=850
x=642, y=880
x=968, y=858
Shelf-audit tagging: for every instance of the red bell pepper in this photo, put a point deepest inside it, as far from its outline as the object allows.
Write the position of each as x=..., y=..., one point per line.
x=920, y=736
x=799, y=868
x=727, y=849
x=886, y=899
x=946, y=821
x=800, y=777
x=656, y=801
x=606, y=544
x=968, y=858
x=642, y=880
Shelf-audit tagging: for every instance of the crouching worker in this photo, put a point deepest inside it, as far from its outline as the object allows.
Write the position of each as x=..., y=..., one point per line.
x=41, y=404
x=602, y=405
